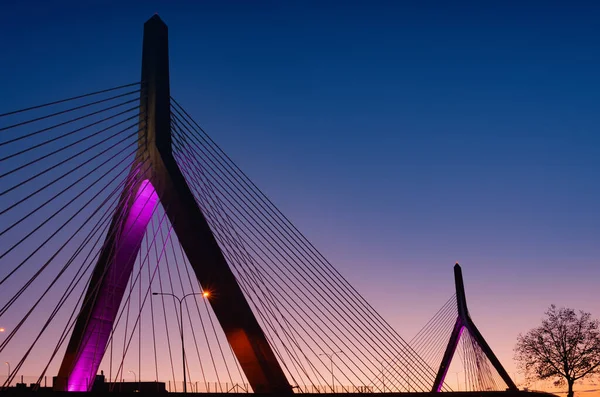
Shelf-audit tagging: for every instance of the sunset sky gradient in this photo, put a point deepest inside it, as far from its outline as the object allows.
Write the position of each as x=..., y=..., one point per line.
x=399, y=137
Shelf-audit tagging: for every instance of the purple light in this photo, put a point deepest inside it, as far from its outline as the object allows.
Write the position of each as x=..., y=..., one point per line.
x=462, y=327
x=112, y=289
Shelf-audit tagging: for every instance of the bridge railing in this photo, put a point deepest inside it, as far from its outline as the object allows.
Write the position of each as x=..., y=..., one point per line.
x=27, y=379
x=209, y=387
x=227, y=387
x=335, y=389
x=202, y=387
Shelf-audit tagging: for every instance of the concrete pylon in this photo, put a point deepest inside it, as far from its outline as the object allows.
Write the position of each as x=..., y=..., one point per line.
x=164, y=181
x=463, y=321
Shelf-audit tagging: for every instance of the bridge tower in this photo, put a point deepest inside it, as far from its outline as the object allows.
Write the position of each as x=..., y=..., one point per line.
x=463, y=321
x=163, y=181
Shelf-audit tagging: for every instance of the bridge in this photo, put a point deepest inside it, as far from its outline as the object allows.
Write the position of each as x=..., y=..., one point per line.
x=130, y=239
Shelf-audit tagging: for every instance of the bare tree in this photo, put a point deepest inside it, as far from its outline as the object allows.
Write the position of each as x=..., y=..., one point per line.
x=565, y=348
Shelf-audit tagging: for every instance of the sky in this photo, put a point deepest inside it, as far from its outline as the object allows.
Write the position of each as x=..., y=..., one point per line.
x=400, y=137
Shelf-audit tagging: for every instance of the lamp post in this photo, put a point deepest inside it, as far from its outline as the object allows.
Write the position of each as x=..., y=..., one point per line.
x=134, y=376
x=457, y=381
x=7, y=363
x=331, y=359
x=180, y=300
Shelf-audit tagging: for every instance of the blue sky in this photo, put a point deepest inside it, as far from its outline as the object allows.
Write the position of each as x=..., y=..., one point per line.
x=400, y=137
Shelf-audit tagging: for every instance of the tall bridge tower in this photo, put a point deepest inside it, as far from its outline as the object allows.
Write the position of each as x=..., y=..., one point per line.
x=163, y=181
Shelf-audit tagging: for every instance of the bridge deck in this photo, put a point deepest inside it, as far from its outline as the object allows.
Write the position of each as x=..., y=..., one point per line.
x=519, y=393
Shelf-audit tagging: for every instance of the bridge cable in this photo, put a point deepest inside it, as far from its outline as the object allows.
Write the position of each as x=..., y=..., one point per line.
x=238, y=172
x=64, y=190
x=68, y=291
x=230, y=238
x=148, y=291
x=22, y=123
x=48, y=169
x=126, y=184
x=68, y=263
x=68, y=99
x=48, y=141
x=227, y=253
x=46, y=221
x=27, y=284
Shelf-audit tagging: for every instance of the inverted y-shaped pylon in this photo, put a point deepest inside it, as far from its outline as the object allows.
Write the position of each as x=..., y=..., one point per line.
x=161, y=179
x=463, y=321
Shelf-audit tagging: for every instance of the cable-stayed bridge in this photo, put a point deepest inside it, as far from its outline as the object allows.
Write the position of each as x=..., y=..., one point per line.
x=131, y=245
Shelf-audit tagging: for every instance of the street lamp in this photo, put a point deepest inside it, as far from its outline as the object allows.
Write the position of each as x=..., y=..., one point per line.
x=134, y=376
x=7, y=363
x=331, y=358
x=205, y=294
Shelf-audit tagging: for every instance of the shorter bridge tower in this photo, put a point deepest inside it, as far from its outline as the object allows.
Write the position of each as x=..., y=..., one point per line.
x=463, y=321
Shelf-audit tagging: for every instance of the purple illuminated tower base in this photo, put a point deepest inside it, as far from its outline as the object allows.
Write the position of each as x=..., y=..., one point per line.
x=107, y=298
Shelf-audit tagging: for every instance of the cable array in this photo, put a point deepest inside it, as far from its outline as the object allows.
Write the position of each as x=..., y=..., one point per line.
x=146, y=334
x=431, y=341
x=68, y=169
x=478, y=373
x=64, y=164
x=324, y=333
x=71, y=171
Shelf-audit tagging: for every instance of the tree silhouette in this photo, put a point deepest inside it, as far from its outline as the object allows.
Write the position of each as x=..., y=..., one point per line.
x=565, y=348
